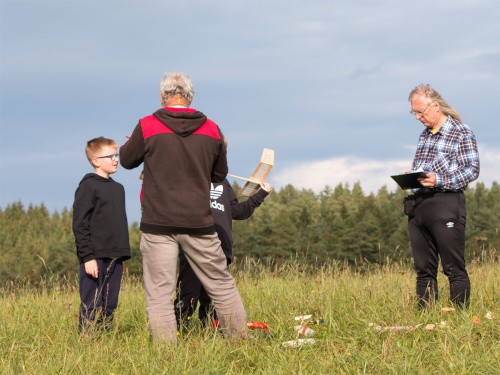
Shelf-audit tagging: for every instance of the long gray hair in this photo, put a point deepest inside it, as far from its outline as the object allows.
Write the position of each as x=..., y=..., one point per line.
x=429, y=92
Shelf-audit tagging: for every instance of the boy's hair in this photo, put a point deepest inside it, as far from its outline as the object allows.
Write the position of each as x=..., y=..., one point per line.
x=94, y=146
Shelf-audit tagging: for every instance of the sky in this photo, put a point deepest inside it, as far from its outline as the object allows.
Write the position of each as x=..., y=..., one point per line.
x=323, y=83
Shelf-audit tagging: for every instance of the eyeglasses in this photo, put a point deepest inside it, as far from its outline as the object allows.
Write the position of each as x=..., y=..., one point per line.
x=421, y=112
x=112, y=157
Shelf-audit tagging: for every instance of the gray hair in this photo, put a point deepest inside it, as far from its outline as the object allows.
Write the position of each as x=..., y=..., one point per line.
x=174, y=84
x=429, y=92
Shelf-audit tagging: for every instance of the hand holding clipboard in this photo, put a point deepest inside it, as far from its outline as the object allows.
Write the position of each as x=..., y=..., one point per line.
x=409, y=180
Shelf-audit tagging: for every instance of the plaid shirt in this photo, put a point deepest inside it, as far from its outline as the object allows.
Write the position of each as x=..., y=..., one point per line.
x=451, y=154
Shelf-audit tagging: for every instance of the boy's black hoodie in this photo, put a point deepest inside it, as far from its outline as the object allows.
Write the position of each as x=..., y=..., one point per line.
x=100, y=220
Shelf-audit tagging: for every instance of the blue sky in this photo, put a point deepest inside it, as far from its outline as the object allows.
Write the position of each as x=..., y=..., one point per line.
x=323, y=83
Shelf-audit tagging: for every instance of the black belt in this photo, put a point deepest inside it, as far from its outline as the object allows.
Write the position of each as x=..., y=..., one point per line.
x=437, y=191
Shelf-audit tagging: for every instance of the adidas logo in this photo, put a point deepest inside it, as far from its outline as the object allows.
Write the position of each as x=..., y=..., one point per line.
x=217, y=206
x=450, y=224
x=215, y=193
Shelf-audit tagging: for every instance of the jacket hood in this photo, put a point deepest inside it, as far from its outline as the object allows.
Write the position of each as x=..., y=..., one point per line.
x=94, y=176
x=183, y=121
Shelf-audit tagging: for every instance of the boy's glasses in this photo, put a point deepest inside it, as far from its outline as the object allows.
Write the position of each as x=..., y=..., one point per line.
x=113, y=157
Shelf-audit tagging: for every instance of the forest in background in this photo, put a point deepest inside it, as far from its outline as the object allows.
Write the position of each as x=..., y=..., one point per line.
x=341, y=223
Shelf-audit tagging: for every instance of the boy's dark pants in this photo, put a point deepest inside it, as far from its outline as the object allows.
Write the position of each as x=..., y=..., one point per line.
x=189, y=292
x=99, y=297
x=437, y=229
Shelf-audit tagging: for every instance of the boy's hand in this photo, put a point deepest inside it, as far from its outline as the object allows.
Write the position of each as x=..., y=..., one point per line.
x=91, y=268
x=267, y=187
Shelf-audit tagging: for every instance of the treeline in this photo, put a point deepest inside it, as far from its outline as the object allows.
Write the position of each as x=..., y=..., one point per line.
x=347, y=225
x=341, y=223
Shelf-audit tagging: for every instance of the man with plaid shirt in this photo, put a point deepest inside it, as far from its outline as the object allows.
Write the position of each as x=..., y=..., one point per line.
x=447, y=153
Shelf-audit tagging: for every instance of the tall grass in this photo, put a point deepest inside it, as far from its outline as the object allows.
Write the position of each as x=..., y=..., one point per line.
x=38, y=327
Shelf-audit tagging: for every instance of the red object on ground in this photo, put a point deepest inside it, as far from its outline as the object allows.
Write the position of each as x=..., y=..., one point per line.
x=253, y=325
x=261, y=325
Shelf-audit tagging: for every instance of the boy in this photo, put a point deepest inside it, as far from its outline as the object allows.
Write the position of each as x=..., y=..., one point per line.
x=225, y=208
x=101, y=235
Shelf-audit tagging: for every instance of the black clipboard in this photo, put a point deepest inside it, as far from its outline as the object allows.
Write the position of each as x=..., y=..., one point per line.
x=409, y=180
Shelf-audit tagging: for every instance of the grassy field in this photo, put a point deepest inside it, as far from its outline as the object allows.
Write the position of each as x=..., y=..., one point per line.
x=38, y=328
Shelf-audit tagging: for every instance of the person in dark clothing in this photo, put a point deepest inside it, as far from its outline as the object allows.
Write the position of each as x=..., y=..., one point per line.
x=447, y=153
x=101, y=235
x=225, y=207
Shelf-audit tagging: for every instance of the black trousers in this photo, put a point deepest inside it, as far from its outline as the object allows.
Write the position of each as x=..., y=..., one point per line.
x=190, y=291
x=438, y=231
x=99, y=297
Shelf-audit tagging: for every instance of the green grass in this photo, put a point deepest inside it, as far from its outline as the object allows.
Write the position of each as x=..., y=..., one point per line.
x=38, y=328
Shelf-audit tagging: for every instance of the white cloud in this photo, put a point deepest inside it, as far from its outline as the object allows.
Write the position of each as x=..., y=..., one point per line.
x=372, y=174
x=490, y=161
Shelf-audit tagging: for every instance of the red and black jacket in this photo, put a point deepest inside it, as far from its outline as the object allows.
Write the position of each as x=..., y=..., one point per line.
x=183, y=152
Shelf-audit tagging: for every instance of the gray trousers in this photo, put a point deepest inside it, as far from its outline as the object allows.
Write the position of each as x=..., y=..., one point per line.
x=206, y=258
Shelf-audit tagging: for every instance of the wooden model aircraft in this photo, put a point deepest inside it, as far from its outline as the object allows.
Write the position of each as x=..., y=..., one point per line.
x=259, y=175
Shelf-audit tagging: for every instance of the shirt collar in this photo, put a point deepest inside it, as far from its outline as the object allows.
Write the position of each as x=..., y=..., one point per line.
x=442, y=129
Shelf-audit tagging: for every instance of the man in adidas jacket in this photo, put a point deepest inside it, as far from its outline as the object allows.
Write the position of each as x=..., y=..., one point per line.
x=182, y=151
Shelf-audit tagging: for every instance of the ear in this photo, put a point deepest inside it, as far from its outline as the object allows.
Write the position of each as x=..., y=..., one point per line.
x=95, y=162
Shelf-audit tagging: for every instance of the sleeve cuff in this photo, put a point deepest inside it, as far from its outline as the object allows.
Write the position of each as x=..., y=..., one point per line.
x=439, y=181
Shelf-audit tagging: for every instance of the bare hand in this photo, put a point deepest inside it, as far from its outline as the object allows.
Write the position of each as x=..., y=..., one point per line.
x=428, y=181
x=267, y=187
x=91, y=268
